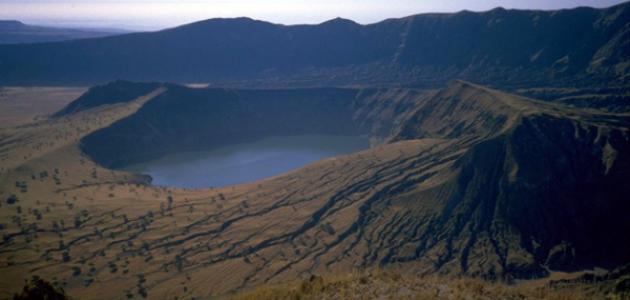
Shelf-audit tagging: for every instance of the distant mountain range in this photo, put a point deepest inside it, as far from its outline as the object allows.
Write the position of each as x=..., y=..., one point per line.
x=16, y=32
x=582, y=46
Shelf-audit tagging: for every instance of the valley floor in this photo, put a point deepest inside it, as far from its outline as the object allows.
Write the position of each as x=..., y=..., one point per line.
x=22, y=105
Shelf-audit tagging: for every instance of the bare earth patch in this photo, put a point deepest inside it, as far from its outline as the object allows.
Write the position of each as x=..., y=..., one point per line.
x=21, y=105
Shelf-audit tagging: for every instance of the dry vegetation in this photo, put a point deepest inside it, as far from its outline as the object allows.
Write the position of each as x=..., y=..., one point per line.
x=21, y=105
x=398, y=285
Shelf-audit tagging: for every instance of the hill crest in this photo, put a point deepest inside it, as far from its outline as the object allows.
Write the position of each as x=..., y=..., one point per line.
x=498, y=47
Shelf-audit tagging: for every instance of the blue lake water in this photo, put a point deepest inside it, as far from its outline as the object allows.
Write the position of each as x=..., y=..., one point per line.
x=246, y=162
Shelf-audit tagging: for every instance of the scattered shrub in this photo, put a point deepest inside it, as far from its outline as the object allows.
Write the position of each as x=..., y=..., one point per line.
x=38, y=288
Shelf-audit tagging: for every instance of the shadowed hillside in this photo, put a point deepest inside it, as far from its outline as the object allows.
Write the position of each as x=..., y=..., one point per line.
x=185, y=119
x=544, y=186
x=582, y=46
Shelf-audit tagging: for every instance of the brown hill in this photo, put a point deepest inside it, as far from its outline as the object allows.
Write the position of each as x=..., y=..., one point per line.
x=469, y=181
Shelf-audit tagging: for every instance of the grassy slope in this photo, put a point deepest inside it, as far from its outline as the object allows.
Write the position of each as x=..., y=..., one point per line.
x=124, y=238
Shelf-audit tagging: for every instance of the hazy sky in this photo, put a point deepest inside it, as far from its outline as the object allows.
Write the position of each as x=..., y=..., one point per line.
x=156, y=14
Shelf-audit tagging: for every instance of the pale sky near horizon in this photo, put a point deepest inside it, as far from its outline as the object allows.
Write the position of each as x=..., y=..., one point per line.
x=158, y=14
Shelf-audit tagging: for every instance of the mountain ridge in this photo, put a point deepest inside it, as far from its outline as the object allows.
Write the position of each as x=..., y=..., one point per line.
x=411, y=51
x=17, y=32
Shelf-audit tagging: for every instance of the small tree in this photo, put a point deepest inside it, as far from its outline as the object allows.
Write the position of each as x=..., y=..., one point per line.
x=12, y=199
x=40, y=289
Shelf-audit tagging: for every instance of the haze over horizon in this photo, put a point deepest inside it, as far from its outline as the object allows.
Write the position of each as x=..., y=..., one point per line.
x=159, y=14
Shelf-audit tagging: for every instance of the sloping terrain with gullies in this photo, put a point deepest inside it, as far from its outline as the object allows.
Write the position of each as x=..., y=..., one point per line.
x=466, y=180
x=531, y=168
x=505, y=48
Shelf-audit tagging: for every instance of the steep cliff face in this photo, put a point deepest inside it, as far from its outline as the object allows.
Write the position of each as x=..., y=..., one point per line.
x=538, y=186
x=543, y=46
x=549, y=193
x=565, y=190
